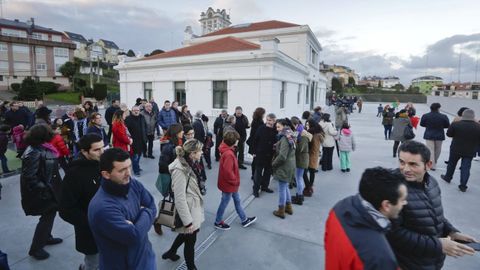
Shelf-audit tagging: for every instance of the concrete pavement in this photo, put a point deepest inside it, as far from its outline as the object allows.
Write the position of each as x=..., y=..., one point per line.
x=271, y=243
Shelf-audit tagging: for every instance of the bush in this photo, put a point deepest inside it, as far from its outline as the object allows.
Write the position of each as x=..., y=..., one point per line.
x=87, y=91
x=100, y=91
x=47, y=87
x=28, y=90
x=16, y=87
x=80, y=84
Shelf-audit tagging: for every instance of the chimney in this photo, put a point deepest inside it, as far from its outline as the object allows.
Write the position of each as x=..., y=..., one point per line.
x=188, y=33
x=269, y=44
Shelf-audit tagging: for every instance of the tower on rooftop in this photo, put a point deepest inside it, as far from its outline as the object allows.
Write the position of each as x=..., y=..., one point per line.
x=214, y=20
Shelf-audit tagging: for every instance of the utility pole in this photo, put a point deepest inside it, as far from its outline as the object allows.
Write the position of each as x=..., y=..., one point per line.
x=476, y=65
x=98, y=69
x=459, y=64
x=90, y=60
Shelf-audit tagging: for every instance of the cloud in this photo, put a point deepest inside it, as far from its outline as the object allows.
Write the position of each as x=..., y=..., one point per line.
x=242, y=11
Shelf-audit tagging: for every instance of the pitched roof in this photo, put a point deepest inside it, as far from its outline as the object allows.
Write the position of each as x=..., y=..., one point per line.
x=249, y=27
x=76, y=37
x=226, y=44
x=109, y=44
x=24, y=26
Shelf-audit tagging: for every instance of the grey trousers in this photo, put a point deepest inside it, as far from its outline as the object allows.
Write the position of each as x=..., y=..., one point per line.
x=435, y=151
x=91, y=262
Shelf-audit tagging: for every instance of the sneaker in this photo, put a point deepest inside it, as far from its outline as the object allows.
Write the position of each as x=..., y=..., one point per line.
x=222, y=226
x=462, y=188
x=249, y=221
x=151, y=157
x=54, y=241
x=267, y=190
x=40, y=254
x=173, y=257
x=343, y=170
x=445, y=178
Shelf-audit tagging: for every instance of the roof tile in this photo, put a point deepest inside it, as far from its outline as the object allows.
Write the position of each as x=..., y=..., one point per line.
x=251, y=27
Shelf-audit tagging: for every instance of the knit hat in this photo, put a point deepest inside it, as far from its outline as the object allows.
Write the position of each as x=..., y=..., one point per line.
x=468, y=115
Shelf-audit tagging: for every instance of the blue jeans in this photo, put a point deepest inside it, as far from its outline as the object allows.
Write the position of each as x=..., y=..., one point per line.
x=464, y=168
x=387, y=131
x=136, y=163
x=3, y=159
x=299, y=180
x=224, y=203
x=283, y=193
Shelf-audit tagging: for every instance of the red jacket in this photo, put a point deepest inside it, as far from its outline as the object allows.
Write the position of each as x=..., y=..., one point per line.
x=59, y=144
x=228, y=175
x=120, y=137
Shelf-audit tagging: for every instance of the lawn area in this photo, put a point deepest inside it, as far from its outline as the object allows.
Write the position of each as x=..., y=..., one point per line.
x=68, y=97
x=13, y=162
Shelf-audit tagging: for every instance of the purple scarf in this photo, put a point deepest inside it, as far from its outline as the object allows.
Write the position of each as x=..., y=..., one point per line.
x=51, y=148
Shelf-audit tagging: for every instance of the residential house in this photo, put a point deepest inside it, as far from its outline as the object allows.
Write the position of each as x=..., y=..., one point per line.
x=425, y=84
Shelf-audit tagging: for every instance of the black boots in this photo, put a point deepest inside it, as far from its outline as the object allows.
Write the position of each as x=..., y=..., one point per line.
x=297, y=199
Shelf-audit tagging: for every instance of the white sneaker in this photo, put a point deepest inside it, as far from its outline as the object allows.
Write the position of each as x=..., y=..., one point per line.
x=476, y=158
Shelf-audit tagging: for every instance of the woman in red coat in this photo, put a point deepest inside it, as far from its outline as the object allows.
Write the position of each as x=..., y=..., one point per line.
x=229, y=181
x=59, y=143
x=121, y=137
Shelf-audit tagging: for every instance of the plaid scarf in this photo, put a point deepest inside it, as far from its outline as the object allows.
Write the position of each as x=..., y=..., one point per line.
x=197, y=168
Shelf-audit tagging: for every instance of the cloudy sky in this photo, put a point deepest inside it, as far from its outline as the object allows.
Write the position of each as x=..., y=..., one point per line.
x=406, y=38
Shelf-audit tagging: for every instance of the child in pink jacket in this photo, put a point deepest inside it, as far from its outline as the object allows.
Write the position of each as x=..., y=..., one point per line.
x=17, y=138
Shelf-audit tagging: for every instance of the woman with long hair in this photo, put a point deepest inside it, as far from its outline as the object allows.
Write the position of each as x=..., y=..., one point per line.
x=185, y=116
x=283, y=166
x=188, y=200
x=40, y=184
x=89, y=108
x=95, y=126
x=301, y=158
x=314, y=152
x=328, y=143
x=257, y=121
x=121, y=137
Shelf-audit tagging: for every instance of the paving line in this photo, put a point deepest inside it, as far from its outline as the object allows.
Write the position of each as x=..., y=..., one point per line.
x=215, y=234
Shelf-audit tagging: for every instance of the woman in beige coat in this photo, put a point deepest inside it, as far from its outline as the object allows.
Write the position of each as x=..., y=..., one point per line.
x=188, y=200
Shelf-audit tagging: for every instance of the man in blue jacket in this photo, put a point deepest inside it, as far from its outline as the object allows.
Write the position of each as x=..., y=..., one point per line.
x=434, y=123
x=120, y=215
x=167, y=116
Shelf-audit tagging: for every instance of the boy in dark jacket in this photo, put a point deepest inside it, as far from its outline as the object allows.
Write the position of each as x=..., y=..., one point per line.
x=80, y=184
x=4, y=131
x=382, y=195
x=229, y=181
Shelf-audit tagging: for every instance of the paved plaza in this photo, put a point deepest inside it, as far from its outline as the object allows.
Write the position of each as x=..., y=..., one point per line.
x=271, y=243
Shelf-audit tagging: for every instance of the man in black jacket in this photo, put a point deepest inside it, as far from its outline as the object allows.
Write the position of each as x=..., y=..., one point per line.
x=218, y=126
x=137, y=127
x=241, y=125
x=80, y=184
x=109, y=115
x=422, y=236
x=465, y=141
x=434, y=123
x=262, y=149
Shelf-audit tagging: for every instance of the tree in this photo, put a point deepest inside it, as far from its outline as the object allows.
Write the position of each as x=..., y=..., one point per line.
x=351, y=81
x=29, y=91
x=380, y=84
x=69, y=70
x=130, y=53
x=154, y=52
x=399, y=87
x=337, y=85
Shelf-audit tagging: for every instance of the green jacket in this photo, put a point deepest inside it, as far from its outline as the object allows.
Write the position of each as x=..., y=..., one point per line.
x=283, y=164
x=302, y=155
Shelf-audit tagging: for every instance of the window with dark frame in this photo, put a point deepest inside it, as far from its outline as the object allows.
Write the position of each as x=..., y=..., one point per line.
x=180, y=94
x=147, y=90
x=220, y=95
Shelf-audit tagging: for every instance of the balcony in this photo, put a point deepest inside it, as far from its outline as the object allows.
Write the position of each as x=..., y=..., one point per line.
x=38, y=42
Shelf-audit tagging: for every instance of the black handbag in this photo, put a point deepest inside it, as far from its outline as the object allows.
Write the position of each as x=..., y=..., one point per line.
x=408, y=133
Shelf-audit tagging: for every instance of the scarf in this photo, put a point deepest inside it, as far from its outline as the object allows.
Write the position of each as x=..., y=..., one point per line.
x=300, y=128
x=115, y=189
x=288, y=133
x=197, y=168
x=381, y=219
x=51, y=148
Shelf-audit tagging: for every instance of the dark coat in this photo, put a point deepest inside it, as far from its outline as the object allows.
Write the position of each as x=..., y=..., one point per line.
x=256, y=123
x=465, y=138
x=347, y=227
x=100, y=131
x=199, y=130
x=3, y=142
x=122, y=245
x=218, y=126
x=241, y=125
x=80, y=184
x=167, y=156
x=39, y=181
x=137, y=127
x=262, y=145
x=387, y=119
x=109, y=114
x=415, y=234
x=434, y=123
x=15, y=118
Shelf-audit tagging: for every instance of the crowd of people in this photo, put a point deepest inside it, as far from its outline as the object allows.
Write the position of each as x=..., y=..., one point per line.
x=112, y=212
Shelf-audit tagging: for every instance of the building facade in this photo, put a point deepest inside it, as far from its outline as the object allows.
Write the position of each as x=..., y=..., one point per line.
x=458, y=90
x=342, y=73
x=425, y=84
x=212, y=20
x=270, y=64
x=29, y=50
x=390, y=82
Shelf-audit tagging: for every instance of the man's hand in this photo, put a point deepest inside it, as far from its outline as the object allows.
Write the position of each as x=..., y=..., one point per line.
x=462, y=237
x=129, y=222
x=454, y=249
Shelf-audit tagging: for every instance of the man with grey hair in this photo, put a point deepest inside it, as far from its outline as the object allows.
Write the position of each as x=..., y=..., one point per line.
x=262, y=149
x=241, y=126
x=151, y=125
x=137, y=128
x=465, y=136
x=218, y=126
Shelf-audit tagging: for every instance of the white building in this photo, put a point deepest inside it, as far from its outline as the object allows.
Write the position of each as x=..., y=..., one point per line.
x=270, y=64
x=212, y=20
x=389, y=82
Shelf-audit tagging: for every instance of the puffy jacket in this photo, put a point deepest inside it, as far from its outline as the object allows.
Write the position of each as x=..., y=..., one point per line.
x=302, y=152
x=346, y=141
x=283, y=164
x=80, y=184
x=434, y=123
x=167, y=118
x=228, y=175
x=17, y=137
x=347, y=227
x=39, y=181
x=330, y=132
x=399, y=125
x=121, y=139
x=59, y=144
x=415, y=234
x=465, y=138
x=150, y=121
